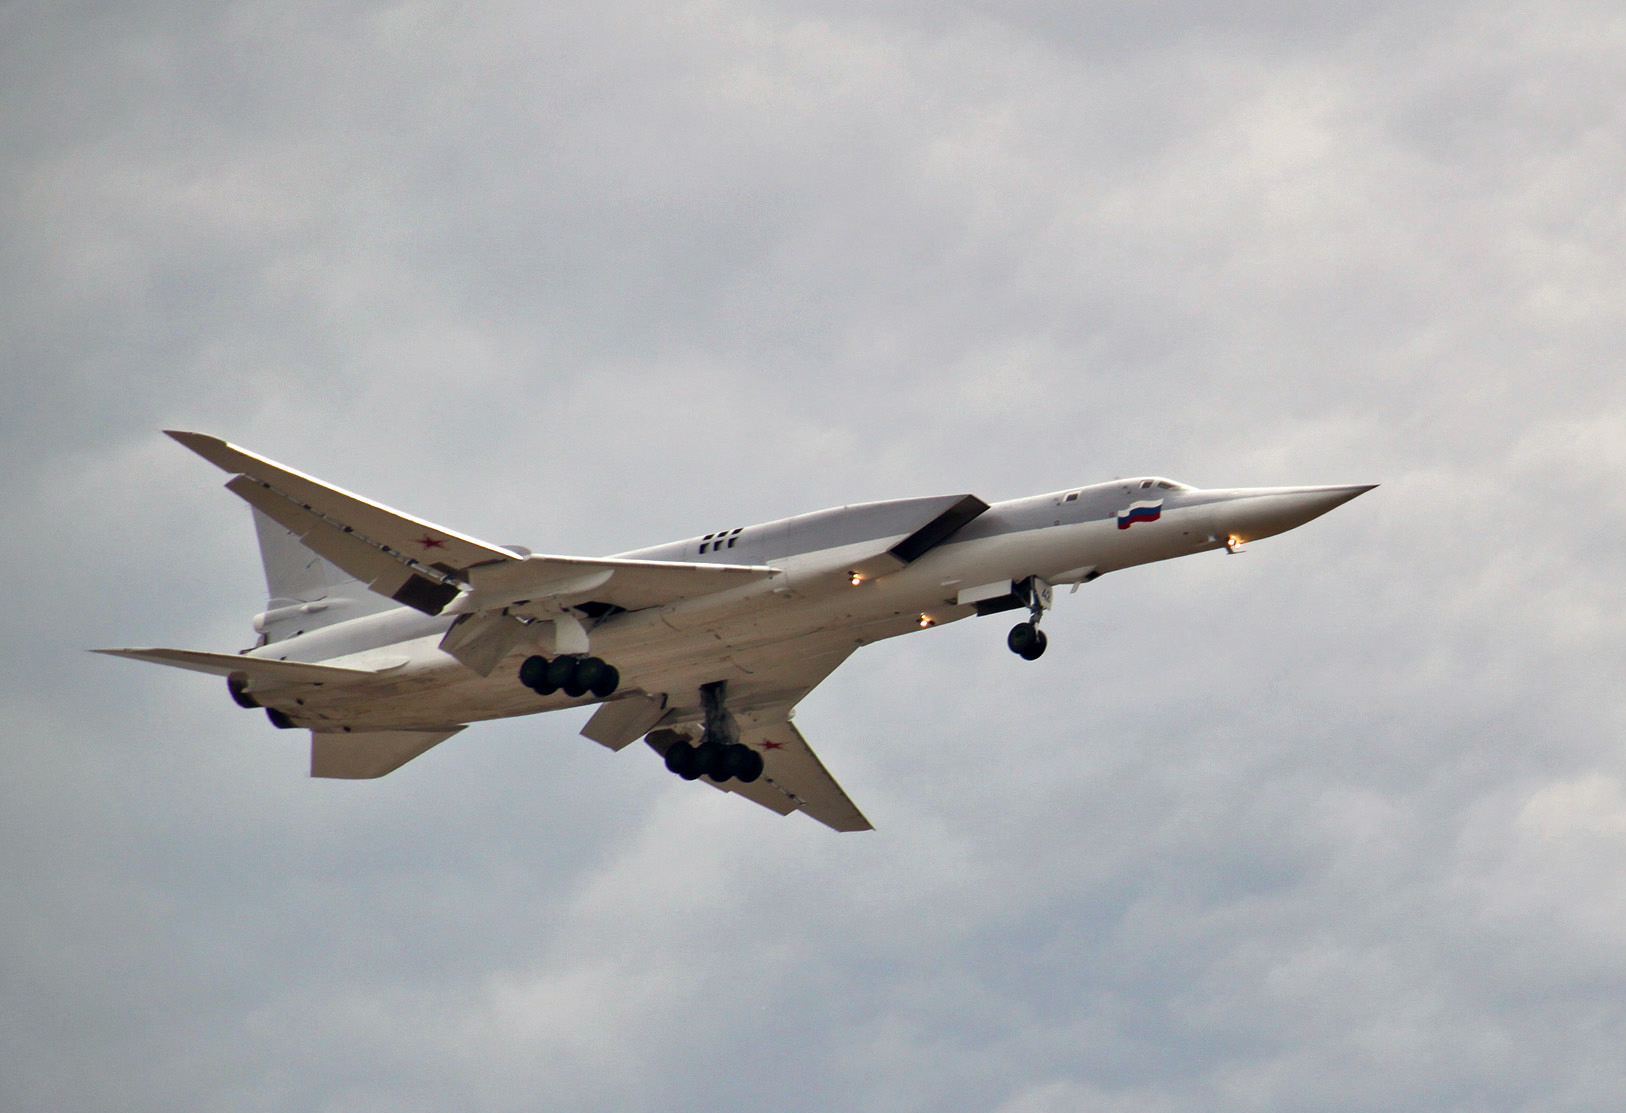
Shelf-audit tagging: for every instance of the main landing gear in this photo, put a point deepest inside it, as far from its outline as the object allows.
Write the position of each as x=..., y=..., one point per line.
x=572, y=674
x=721, y=755
x=1026, y=640
x=718, y=760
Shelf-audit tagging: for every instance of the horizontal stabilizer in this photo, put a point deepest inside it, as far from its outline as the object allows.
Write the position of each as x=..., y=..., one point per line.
x=257, y=668
x=364, y=754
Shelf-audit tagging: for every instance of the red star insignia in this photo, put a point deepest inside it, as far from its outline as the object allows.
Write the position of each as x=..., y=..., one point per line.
x=766, y=745
x=429, y=542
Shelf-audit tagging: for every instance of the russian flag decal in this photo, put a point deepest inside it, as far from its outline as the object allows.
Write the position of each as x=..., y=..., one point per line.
x=1140, y=512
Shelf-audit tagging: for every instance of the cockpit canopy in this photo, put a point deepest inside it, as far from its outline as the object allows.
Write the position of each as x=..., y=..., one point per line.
x=1158, y=483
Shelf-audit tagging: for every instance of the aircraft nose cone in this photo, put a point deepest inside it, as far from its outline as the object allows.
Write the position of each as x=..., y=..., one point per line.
x=1267, y=512
x=1316, y=501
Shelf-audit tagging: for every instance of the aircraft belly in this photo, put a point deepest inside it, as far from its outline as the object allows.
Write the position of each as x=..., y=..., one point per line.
x=427, y=697
x=444, y=693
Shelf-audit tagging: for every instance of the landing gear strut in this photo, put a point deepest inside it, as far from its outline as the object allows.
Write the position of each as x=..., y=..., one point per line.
x=574, y=675
x=720, y=755
x=1026, y=640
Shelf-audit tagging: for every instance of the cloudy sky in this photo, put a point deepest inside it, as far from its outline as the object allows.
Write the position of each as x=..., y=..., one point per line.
x=1339, y=824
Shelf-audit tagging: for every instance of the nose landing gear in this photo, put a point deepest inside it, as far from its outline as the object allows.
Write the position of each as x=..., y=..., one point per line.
x=1026, y=640
x=572, y=674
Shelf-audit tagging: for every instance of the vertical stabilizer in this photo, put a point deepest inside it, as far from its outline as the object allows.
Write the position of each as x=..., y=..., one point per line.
x=305, y=591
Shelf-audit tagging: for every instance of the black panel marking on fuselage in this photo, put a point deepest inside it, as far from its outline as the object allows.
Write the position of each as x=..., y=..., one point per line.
x=939, y=529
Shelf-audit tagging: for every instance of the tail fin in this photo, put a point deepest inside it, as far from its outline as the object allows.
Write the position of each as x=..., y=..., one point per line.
x=306, y=592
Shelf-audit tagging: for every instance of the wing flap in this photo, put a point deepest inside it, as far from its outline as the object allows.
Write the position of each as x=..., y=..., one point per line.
x=793, y=771
x=383, y=569
x=765, y=791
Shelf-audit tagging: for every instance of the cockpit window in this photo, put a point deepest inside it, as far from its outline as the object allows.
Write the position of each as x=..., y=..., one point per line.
x=1145, y=483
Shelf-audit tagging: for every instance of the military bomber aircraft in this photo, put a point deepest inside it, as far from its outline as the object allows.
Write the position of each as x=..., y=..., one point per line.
x=386, y=634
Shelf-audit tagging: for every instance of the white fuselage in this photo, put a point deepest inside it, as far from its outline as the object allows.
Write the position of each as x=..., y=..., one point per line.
x=809, y=610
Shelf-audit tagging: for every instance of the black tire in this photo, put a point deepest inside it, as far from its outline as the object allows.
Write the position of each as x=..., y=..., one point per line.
x=680, y=760
x=747, y=765
x=728, y=762
x=1036, y=650
x=533, y=674
x=558, y=674
x=708, y=761
x=588, y=670
x=1022, y=637
x=604, y=687
x=279, y=719
x=739, y=762
x=237, y=685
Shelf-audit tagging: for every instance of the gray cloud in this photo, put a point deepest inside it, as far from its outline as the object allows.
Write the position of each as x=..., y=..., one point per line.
x=1334, y=824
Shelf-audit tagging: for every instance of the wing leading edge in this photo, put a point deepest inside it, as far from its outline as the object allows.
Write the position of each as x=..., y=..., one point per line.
x=433, y=569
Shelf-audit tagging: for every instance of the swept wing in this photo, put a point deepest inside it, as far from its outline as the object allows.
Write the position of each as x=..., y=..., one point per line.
x=793, y=779
x=434, y=569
